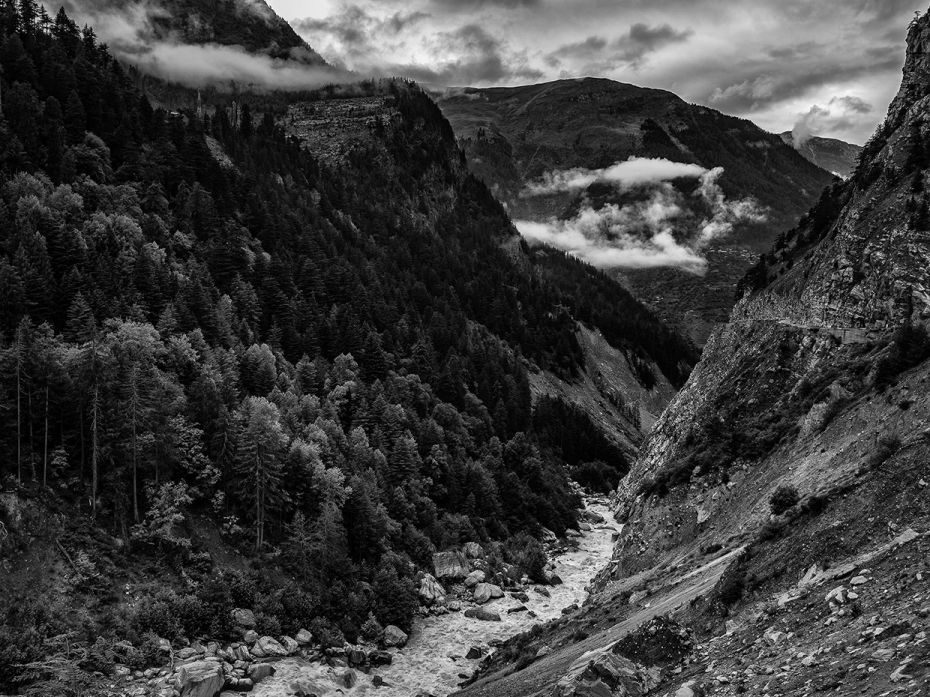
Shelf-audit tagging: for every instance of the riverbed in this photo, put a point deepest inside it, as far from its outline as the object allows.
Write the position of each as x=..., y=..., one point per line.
x=434, y=658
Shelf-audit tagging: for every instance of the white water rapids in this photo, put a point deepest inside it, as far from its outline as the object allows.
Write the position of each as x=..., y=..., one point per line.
x=434, y=656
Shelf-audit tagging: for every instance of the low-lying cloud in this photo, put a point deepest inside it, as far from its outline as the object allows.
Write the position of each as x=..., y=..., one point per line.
x=625, y=175
x=214, y=64
x=129, y=29
x=661, y=226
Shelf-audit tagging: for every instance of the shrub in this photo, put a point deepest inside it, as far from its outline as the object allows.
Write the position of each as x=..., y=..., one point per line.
x=266, y=624
x=528, y=554
x=771, y=530
x=783, y=498
x=157, y=615
x=328, y=634
x=887, y=446
x=372, y=629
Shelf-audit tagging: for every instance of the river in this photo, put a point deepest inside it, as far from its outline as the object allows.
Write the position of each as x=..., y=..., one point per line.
x=434, y=656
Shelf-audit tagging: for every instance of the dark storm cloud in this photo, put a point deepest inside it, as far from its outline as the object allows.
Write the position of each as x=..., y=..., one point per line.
x=357, y=28
x=364, y=40
x=630, y=49
x=643, y=40
x=759, y=84
x=478, y=58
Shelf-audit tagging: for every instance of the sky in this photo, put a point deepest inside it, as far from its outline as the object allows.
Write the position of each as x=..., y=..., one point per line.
x=820, y=67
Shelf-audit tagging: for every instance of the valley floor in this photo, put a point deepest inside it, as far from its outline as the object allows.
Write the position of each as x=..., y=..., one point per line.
x=434, y=660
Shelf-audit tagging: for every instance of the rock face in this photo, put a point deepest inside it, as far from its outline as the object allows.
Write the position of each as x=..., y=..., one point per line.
x=487, y=591
x=451, y=565
x=201, y=679
x=431, y=592
x=394, y=636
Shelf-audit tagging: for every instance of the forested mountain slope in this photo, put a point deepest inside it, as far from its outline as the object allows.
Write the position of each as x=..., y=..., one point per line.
x=240, y=373
x=779, y=510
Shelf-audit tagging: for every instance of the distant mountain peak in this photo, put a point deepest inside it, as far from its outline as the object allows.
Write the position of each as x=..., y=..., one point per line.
x=836, y=156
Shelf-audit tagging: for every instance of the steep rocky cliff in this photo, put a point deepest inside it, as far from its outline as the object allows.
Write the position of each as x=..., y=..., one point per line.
x=779, y=508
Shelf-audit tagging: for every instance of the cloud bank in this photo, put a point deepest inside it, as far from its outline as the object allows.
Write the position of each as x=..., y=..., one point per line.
x=660, y=227
x=766, y=60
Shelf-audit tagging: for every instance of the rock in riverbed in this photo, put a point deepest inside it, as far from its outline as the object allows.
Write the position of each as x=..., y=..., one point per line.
x=480, y=613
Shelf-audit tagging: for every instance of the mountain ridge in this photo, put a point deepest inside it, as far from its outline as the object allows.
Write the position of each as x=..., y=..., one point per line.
x=831, y=154
x=513, y=136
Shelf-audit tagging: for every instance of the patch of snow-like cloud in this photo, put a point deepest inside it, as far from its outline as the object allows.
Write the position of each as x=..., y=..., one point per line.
x=661, y=227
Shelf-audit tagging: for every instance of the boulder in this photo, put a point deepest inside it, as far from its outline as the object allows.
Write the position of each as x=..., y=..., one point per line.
x=604, y=672
x=544, y=592
x=349, y=678
x=521, y=596
x=240, y=684
x=480, y=613
x=474, y=578
x=356, y=657
x=250, y=636
x=380, y=658
x=244, y=619
x=394, y=636
x=266, y=647
x=451, y=565
x=837, y=596
x=473, y=550
x=474, y=653
x=514, y=610
x=543, y=651
x=259, y=671
x=304, y=638
x=689, y=689
x=553, y=579
x=201, y=679
x=431, y=592
x=290, y=645
x=310, y=688
x=487, y=591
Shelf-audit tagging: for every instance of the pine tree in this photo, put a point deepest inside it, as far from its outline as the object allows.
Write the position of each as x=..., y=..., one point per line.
x=259, y=460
